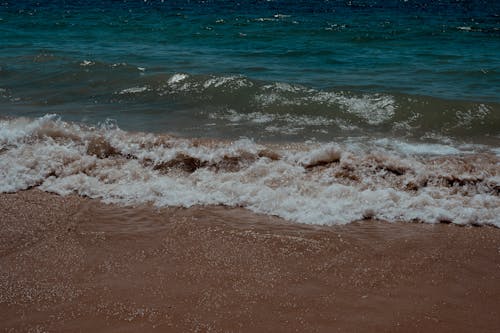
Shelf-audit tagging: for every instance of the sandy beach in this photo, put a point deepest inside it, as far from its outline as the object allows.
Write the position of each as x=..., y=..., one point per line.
x=77, y=265
x=250, y=166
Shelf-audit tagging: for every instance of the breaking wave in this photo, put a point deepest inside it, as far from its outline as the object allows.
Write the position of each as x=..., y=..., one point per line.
x=315, y=183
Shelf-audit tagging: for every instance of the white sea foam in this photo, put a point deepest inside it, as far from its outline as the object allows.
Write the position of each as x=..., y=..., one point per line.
x=309, y=183
x=5, y=93
x=277, y=123
x=86, y=63
x=261, y=118
x=373, y=109
x=496, y=151
x=232, y=82
x=418, y=148
x=180, y=82
x=119, y=64
x=285, y=87
x=478, y=112
x=134, y=90
x=265, y=19
x=176, y=78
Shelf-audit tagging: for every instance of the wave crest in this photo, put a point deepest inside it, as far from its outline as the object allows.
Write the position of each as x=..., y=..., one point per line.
x=308, y=183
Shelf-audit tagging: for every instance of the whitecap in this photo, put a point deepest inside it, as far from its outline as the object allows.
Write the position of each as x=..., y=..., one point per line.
x=316, y=183
x=134, y=90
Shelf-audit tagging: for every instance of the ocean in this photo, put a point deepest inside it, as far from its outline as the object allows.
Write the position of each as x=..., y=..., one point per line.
x=319, y=112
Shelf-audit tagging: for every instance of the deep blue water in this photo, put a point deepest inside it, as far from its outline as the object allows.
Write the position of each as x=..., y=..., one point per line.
x=435, y=63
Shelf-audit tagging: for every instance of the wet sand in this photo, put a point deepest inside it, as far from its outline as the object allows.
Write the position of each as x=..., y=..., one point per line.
x=76, y=265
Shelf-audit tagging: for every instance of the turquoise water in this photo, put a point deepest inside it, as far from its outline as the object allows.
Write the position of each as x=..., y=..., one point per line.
x=323, y=112
x=269, y=70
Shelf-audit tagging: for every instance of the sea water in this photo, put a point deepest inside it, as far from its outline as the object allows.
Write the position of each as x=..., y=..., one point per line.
x=316, y=111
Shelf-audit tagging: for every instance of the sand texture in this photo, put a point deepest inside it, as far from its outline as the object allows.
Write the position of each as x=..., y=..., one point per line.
x=77, y=265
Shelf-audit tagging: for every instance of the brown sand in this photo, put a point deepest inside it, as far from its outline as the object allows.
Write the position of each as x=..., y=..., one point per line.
x=76, y=265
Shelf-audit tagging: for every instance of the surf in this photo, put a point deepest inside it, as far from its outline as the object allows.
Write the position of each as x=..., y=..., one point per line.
x=313, y=183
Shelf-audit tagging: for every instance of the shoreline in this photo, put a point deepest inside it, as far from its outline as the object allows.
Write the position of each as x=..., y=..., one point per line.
x=313, y=183
x=76, y=264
